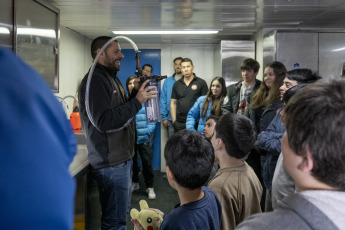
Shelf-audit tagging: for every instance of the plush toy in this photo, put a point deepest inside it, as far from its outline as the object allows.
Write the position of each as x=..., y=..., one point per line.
x=148, y=219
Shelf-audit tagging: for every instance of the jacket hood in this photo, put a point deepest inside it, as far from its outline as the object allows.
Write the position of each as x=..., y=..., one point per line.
x=309, y=212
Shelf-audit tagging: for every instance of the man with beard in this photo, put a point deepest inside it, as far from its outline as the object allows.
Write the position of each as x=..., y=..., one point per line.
x=166, y=96
x=111, y=138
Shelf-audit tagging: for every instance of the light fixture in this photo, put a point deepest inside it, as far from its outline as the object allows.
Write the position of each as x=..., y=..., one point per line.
x=171, y=32
x=340, y=49
x=4, y=30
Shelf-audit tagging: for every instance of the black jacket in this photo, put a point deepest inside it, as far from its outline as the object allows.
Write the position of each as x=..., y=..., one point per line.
x=232, y=101
x=263, y=117
x=110, y=109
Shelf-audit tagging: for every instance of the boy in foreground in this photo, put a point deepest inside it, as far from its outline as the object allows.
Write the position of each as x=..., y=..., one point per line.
x=313, y=150
x=236, y=185
x=189, y=158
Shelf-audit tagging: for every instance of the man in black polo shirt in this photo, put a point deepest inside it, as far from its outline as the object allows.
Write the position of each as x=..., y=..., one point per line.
x=184, y=94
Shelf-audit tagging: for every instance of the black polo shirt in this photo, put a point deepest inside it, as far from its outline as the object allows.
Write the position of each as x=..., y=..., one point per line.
x=186, y=95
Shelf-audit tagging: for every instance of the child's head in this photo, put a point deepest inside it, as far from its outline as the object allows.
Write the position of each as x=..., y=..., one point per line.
x=250, y=64
x=286, y=97
x=237, y=132
x=189, y=156
x=211, y=122
x=302, y=76
x=315, y=127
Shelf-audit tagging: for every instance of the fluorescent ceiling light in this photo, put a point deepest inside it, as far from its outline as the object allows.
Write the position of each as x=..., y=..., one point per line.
x=168, y=32
x=4, y=30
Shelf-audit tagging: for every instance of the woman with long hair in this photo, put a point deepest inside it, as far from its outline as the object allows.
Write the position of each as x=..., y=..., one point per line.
x=266, y=101
x=264, y=106
x=207, y=105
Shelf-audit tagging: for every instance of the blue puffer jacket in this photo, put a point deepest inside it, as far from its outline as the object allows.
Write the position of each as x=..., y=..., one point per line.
x=195, y=113
x=144, y=129
x=270, y=141
x=165, y=98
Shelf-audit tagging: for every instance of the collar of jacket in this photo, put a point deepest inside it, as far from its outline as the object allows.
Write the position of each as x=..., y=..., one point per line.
x=111, y=71
x=257, y=84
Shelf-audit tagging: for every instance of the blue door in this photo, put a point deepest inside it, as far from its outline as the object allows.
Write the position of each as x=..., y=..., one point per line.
x=146, y=56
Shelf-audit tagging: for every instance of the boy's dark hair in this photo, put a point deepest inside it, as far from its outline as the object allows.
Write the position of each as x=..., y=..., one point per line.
x=190, y=158
x=214, y=117
x=187, y=60
x=290, y=92
x=303, y=76
x=178, y=58
x=315, y=122
x=98, y=43
x=237, y=133
x=250, y=64
x=148, y=66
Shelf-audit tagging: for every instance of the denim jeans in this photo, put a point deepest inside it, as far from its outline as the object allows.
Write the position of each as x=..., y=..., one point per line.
x=114, y=187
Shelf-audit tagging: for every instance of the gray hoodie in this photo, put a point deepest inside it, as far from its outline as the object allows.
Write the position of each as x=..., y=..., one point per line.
x=305, y=210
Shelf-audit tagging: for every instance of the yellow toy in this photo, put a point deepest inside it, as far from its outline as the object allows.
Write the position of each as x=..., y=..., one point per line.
x=148, y=219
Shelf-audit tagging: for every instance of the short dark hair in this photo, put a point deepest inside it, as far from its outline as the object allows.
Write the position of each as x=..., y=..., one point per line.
x=237, y=133
x=291, y=92
x=214, y=117
x=303, y=76
x=250, y=64
x=98, y=43
x=178, y=58
x=187, y=60
x=148, y=65
x=190, y=157
x=315, y=122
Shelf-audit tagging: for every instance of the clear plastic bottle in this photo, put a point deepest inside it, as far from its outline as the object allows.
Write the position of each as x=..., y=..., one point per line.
x=152, y=106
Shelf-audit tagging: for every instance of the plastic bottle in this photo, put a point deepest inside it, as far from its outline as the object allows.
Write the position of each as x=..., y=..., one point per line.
x=75, y=118
x=153, y=112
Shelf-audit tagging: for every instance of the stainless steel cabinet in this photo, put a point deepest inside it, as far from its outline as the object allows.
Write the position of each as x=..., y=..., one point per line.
x=292, y=49
x=232, y=54
x=322, y=52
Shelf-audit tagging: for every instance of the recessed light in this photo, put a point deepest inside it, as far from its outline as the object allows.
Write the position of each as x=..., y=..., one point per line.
x=172, y=32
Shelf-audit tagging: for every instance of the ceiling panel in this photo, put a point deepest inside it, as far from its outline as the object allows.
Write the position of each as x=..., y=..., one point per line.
x=235, y=18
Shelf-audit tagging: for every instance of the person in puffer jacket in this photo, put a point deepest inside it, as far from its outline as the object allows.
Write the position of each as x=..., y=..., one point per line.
x=144, y=132
x=207, y=105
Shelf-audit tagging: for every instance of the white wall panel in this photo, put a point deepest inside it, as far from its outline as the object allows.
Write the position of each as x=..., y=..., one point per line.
x=75, y=60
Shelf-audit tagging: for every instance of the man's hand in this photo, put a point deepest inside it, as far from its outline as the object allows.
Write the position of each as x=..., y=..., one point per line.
x=137, y=83
x=144, y=93
x=137, y=80
x=165, y=123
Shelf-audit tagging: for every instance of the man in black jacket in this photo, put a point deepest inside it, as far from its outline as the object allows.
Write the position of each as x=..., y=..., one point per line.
x=110, y=132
